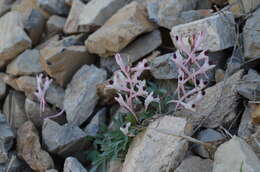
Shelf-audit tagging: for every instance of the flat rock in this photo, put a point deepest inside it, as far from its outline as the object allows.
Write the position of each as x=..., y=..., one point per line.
x=96, y=13
x=239, y=7
x=137, y=49
x=13, y=39
x=58, y=7
x=114, y=166
x=66, y=140
x=244, y=158
x=29, y=148
x=218, y=34
x=140, y=158
x=195, y=164
x=2, y=89
x=251, y=35
x=14, y=109
x=81, y=94
x=55, y=24
x=27, y=63
x=72, y=164
x=122, y=28
x=5, y=5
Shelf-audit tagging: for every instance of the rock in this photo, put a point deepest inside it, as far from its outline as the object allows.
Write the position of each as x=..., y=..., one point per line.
x=239, y=7
x=34, y=25
x=6, y=139
x=55, y=24
x=96, y=13
x=81, y=95
x=254, y=141
x=8, y=79
x=99, y=119
x=66, y=139
x=33, y=113
x=52, y=170
x=219, y=75
x=13, y=39
x=251, y=35
x=244, y=158
x=195, y=164
x=163, y=67
x=106, y=94
x=218, y=34
x=5, y=6
x=72, y=164
x=114, y=166
x=255, y=113
x=2, y=89
x=58, y=7
x=27, y=63
x=14, y=109
x=72, y=22
x=61, y=62
x=122, y=28
x=140, y=158
x=218, y=105
x=29, y=148
x=208, y=136
x=139, y=48
x=246, y=128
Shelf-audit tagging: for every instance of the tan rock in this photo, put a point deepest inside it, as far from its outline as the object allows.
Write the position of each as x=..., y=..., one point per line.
x=9, y=80
x=239, y=7
x=106, y=94
x=255, y=114
x=29, y=148
x=55, y=24
x=122, y=28
x=13, y=39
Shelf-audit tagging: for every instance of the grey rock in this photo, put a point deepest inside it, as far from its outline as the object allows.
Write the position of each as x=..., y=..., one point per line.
x=2, y=89
x=251, y=35
x=58, y=7
x=6, y=139
x=27, y=63
x=55, y=24
x=66, y=140
x=72, y=164
x=226, y=160
x=219, y=34
x=5, y=6
x=140, y=158
x=114, y=166
x=139, y=48
x=99, y=119
x=195, y=164
x=81, y=95
x=246, y=127
x=240, y=7
x=52, y=170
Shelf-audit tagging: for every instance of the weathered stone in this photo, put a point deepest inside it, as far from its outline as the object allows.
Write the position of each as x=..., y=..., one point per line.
x=61, y=62
x=66, y=139
x=139, y=48
x=239, y=7
x=106, y=94
x=6, y=139
x=52, y=170
x=9, y=79
x=58, y=7
x=5, y=5
x=218, y=34
x=72, y=164
x=55, y=24
x=195, y=164
x=243, y=159
x=2, y=89
x=72, y=22
x=13, y=39
x=219, y=75
x=81, y=95
x=114, y=166
x=163, y=67
x=255, y=113
x=29, y=148
x=251, y=35
x=27, y=63
x=140, y=158
x=218, y=105
x=96, y=13
x=14, y=109
x=122, y=28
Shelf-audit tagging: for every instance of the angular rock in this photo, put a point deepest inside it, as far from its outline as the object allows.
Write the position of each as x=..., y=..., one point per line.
x=5, y=6
x=6, y=139
x=239, y=7
x=81, y=94
x=52, y=170
x=140, y=158
x=139, y=48
x=13, y=39
x=244, y=158
x=96, y=13
x=29, y=148
x=58, y=7
x=27, y=63
x=114, y=166
x=219, y=75
x=122, y=28
x=9, y=80
x=14, y=109
x=218, y=105
x=163, y=67
x=72, y=22
x=255, y=113
x=2, y=89
x=195, y=164
x=246, y=128
x=55, y=24
x=251, y=34
x=61, y=62
x=72, y=164
x=218, y=34
x=106, y=94
x=66, y=140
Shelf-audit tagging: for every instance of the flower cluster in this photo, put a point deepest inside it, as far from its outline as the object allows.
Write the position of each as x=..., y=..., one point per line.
x=129, y=86
x=191, y=68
